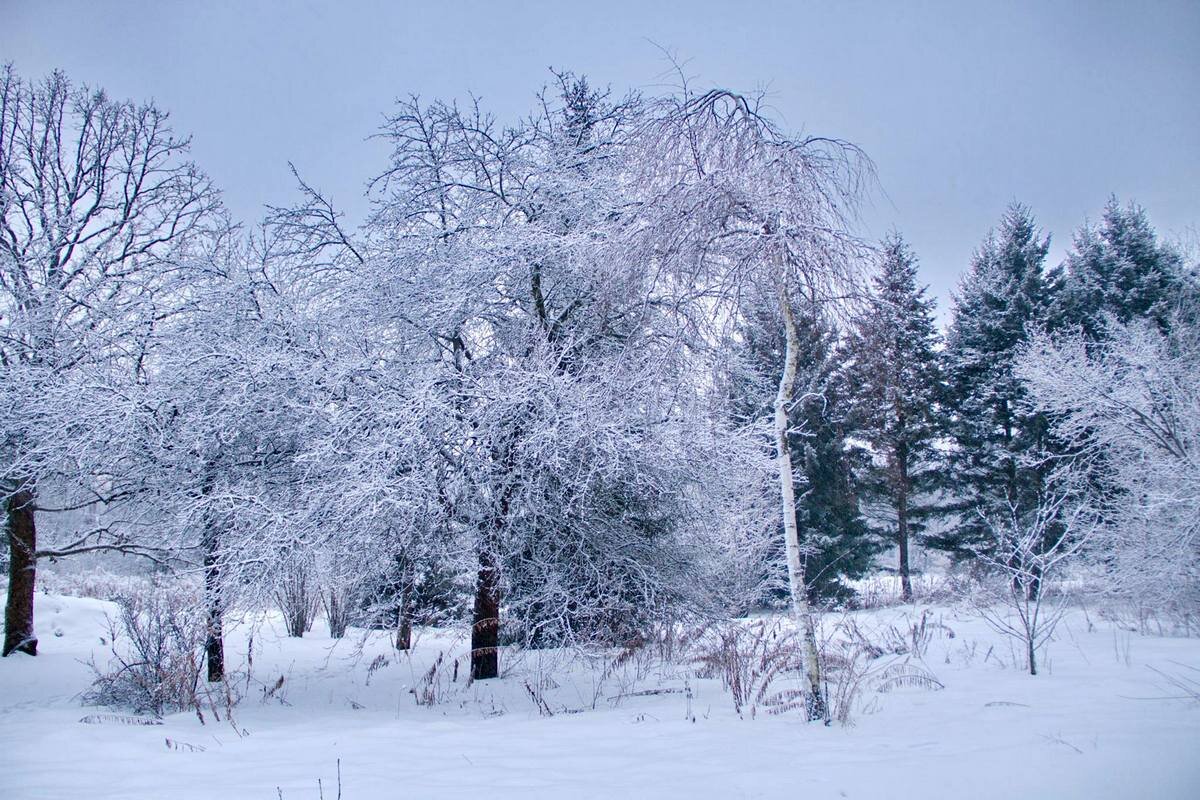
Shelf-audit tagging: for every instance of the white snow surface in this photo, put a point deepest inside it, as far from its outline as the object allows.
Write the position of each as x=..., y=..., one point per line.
x=1100, y=723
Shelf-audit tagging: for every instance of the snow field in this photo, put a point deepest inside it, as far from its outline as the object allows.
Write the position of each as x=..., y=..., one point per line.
x=1100, y=723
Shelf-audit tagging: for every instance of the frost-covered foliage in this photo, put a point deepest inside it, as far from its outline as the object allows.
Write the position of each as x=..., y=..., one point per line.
x=1131, y=407
x=502, y=391
x=98, y=208
x=550, y=411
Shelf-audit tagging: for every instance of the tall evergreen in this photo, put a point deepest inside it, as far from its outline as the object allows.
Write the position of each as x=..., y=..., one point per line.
x=1000, y=446
x=1118, y=269
x=836, y=542
x=896, y=384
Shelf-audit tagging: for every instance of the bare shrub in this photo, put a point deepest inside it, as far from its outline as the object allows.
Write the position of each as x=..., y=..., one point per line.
x=847, y=665
x=298, y=597
x=337, y=611
x=157, y=650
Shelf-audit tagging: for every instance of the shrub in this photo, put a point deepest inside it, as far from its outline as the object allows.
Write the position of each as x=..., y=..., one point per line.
x=157, y=650
x=298, y=597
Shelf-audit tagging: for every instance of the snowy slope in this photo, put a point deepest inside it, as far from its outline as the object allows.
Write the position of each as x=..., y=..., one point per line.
x=1094, y=726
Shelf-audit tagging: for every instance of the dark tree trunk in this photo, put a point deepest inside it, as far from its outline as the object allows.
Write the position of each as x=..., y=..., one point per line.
x=22, y=569
x=403, y=631
x=902, y=527
x=485, y=632
x=485, y=628
x=214, y=643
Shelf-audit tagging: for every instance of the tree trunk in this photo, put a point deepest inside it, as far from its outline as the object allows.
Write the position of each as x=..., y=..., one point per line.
x=485, y=632
x=902, y=526
x=22, y=570
x=783, y=459
x=403, y=630
x=214, y=642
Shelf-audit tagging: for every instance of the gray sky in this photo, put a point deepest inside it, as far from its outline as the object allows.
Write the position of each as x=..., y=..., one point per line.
x=964, y=106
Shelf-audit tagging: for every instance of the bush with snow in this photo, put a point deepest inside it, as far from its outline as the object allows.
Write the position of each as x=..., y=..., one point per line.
x=156, y=648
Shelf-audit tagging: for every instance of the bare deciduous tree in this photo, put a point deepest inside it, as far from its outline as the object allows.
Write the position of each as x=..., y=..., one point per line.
x=1029, y=548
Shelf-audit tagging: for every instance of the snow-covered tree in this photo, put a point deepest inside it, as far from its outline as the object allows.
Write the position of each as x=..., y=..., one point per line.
x=1131, y=408
x=896, y=388
x=97, y=202
x=1030, y=549
x=1000, y=445
x=747, y=210
x=1118, y=269
x=232, y=392
x=565, y=417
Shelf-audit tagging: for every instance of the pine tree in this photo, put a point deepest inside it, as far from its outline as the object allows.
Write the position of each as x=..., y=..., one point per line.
x=896, y=380
x=1118, y=269
x=836, y=542
x=1000, y=446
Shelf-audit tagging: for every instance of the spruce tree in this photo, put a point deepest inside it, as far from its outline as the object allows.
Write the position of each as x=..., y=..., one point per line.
x=896, y=384
x=1118, y=269
x=1000, y=447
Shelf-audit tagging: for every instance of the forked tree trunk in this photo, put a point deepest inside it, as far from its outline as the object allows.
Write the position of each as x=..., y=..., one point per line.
x=22, y=570
x=485, y=630
x=787, y=491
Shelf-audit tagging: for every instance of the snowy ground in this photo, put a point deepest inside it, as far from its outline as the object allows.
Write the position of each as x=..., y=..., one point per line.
x=1095, y=725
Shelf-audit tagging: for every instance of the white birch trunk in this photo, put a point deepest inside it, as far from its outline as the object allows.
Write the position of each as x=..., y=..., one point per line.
x=783, y=458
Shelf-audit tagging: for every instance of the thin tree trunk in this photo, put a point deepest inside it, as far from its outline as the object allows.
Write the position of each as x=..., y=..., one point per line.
x=902, y=526
x=22, y=570
x=485, y=632
x=404, y=614
x=783, y=459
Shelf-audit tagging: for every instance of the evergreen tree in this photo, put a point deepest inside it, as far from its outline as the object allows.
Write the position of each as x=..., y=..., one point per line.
x=837, y=544
x=1119, y=269
x=1000, y=446
x=896, y=379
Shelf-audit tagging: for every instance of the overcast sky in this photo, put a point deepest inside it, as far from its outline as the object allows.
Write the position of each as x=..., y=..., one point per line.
x=963, y=106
